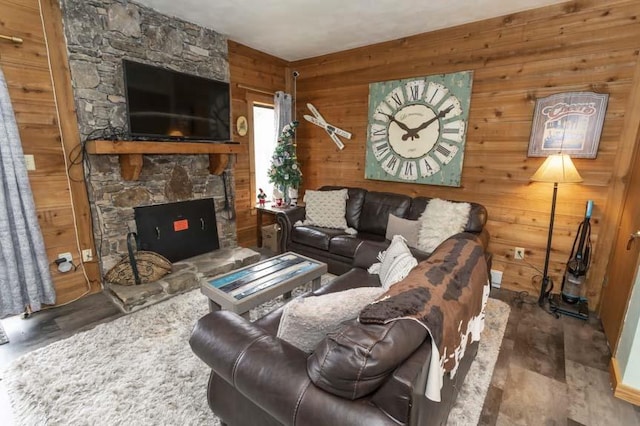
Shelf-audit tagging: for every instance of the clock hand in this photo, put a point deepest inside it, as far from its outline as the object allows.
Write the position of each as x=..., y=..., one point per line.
x=399, y=123
x=413, y=133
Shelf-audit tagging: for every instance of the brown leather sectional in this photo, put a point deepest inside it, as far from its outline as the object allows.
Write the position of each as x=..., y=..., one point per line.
x=258, y=379
x=368, y=213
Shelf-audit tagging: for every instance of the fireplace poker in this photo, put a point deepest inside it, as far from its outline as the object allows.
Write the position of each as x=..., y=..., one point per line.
x=228, y=211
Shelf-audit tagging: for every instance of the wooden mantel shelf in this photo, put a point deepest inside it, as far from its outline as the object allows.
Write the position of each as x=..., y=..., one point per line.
x=131, y=152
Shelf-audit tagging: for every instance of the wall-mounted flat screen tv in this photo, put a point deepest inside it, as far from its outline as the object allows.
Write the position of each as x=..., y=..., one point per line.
x=168, y=105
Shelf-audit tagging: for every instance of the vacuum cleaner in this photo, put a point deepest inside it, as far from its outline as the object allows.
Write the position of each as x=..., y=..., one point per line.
x=572, y=299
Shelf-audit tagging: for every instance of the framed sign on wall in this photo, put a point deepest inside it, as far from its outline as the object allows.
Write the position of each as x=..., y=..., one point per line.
x=417, y=129
x=568, y=123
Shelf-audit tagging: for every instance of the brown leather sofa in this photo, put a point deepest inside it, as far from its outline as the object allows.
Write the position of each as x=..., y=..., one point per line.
x=368, y=213
x=258, y=379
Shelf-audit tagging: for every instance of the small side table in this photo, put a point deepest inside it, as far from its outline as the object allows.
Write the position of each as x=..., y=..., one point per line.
x=271, y=210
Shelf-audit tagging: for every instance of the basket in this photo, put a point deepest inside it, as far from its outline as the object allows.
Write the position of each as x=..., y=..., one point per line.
x=139, y=267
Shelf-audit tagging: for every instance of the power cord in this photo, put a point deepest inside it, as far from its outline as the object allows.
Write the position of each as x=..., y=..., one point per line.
x=519, y=299
x=78, y=154
x=532, y=267
x=79, y=157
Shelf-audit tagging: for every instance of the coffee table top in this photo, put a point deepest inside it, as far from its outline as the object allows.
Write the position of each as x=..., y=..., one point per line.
x=245, y=288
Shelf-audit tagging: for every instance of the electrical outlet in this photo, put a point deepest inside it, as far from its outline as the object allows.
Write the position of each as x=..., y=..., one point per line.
x=67, y=256
x=496, y=278
x=519, y=253
x=87, y=255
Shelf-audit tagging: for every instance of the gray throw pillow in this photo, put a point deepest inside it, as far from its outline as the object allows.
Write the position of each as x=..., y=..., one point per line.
x=409, y=229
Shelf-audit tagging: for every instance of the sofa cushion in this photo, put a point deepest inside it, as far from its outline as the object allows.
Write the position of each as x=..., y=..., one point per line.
x=377, y=207
x=356, y=359
x=441, y=220
x=307, y=320
x=326, y=208
x=346, y=245
x=409, y=229
x=314, y=236
x=354, y=204
x=477, y=215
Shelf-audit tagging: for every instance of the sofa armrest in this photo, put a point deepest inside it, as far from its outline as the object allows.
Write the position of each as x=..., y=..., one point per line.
x=286, y=220
x=272, y=374
x=268, y=371
x=484, y=238
x=367, y=253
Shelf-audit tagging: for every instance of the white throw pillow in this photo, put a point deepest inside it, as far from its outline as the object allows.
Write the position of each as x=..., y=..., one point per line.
x=407, y=228
x=395, y=263
x=440, y=220
x=326, y=209
x=307, y=320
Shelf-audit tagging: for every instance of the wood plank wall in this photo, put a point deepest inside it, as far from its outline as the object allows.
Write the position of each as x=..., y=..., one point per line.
x=28, y=74
x=251, y=68
x=584, y=45
x=579, y=45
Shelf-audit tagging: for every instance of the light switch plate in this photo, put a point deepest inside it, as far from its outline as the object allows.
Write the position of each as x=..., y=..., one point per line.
x=30, y=162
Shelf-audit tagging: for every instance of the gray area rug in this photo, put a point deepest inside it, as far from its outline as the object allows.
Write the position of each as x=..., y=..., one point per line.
x=139, y=369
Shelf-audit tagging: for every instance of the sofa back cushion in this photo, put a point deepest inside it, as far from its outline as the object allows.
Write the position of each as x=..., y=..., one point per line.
x=477, y=215
x=357, y=358
x=354, y=204
x=377, y=207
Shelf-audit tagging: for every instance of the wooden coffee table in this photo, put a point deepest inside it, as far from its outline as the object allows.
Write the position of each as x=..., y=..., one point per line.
x=244, y=289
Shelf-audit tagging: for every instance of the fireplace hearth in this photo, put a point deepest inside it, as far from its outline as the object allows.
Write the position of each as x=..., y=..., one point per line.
x=186, y=275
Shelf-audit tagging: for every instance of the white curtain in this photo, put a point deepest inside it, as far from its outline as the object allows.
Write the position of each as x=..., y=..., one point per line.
x=282, y=115
x=24, y=269
x=282, y=109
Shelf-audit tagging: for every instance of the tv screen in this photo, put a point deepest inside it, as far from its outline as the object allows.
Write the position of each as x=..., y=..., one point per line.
x=170, y=105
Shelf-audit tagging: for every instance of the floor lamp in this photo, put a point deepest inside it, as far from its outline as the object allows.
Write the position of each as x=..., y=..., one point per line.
x=557, y=168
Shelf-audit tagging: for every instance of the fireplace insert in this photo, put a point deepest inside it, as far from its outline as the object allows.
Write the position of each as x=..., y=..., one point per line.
x=178, y=230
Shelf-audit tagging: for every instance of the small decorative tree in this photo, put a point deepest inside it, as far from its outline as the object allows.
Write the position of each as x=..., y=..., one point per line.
x=285, y=171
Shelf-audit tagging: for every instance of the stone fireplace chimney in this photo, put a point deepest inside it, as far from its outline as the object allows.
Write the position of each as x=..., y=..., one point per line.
x=100, y=34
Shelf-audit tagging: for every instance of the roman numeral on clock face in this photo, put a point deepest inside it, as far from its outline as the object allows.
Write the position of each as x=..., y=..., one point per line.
x=415, y=90
x=409, y=171
x=445, y=152
x=454, y=130
x=381, y=150
x=453, y=112
x=428, y=166
x=395, y=99
x=435, y=93
x=378, y=132
x=382, y=113
x=391, y=165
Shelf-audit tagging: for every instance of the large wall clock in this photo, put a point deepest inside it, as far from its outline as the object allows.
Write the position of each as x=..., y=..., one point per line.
x=417, y=129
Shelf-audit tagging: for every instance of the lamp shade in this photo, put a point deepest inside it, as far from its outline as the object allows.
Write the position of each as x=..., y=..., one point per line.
x=557, y=168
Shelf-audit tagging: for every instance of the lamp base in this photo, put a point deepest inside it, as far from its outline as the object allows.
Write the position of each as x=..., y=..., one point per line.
x=545, y=290
x=578, y=310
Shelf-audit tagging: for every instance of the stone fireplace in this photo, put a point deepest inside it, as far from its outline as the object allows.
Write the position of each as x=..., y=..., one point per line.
x=100, y=34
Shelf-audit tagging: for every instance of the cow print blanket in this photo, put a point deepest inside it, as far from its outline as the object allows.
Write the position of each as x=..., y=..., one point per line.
x=445, y=293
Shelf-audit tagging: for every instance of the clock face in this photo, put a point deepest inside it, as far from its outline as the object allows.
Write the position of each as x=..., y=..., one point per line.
x=417, y=129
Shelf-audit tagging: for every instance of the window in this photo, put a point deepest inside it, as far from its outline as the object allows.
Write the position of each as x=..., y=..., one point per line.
x=264, y=143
